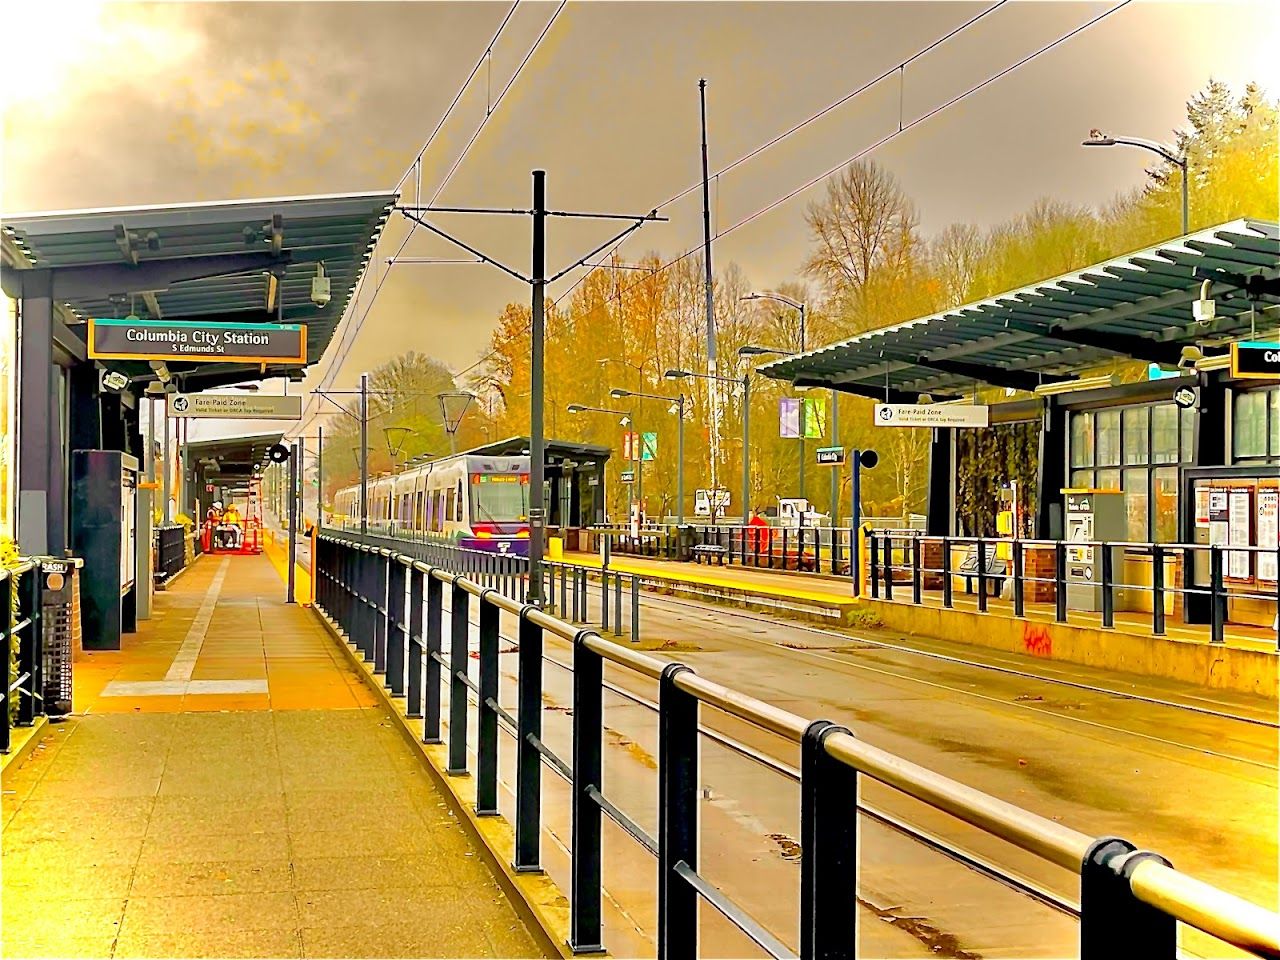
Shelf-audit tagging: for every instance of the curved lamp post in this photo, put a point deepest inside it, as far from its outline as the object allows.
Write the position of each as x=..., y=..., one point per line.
x=1099, y=139
x=678, y=402
x=745, y=383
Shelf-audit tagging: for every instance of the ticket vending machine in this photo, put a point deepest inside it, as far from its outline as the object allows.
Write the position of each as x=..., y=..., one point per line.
x=1092, y=516
x=104, y=535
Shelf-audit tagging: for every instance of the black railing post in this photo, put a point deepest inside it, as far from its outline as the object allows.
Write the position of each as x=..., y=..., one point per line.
x=487, y=722
x=1114, y=922
x=434, y=646
x=887, y=566
x=1157, y=590
x=604, y=599
x=947, y=599
x=874, y=542
x=364, y=619
x=617, y=604
x=415, y=645
x=588, y=725
x=382, y=625
x=1108, y=585
x=1217, y=596
x=459, y=632
x=1060, y=581
x=982, y=575
x=677, y=817
x=635, y=608
x=829, y=849
x=917, y=581
x=6, y=629
x=1019, y=583
x=397, y=636
x=528, y=760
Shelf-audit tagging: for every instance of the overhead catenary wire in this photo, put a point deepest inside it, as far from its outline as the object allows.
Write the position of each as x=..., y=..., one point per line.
x=813, y=118
x=355, y=323
x=903, y=128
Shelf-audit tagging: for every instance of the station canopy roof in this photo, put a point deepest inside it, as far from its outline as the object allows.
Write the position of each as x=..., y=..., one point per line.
x=204, y=262
x=1137, y=306
x=557, y=451
x=235, y=457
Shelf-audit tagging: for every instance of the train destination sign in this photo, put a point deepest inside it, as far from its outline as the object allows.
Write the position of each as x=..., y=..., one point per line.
x=234, y=406
x=1256, y=361
x=134, y=339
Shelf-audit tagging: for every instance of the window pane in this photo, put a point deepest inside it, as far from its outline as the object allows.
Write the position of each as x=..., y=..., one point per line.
x=1108, y=437
x=1135, y=434
x=1081, y=479
x=1164, y=433
x=1135, y=503
x=1082, y=439
x=1164, y=484
x=1188, y=424
x=1108, y=479
x=1249, y=424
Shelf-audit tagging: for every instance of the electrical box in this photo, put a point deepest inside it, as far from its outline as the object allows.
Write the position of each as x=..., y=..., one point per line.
x=104, y=535
x=1092, y=516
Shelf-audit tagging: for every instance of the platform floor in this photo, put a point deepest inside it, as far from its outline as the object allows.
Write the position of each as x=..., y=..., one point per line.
x=228, y=788
x=837, y=592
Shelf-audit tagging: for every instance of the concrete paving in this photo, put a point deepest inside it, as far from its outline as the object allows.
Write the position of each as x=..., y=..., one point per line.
x=235, y=792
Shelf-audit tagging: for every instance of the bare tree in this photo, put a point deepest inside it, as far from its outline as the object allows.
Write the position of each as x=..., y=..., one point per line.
x=864, y=234
x=957, y=254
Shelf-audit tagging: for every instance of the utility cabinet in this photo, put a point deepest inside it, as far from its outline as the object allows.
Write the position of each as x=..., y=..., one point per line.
x=104, y=535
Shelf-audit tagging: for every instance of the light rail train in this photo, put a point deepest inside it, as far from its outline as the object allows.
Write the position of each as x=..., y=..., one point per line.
x=478, y=502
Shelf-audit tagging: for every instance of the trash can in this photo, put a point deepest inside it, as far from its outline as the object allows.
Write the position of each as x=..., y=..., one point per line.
x=60, y=609
x=686, y=537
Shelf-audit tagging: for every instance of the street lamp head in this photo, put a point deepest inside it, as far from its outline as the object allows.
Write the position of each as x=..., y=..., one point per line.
x=751, y=296
x=575, y=408
x=677, y=374
x=617, y=393
x=1098, y=139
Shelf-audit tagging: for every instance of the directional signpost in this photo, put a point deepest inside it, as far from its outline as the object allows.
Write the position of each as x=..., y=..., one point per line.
x=134, y=339
x=831, y=456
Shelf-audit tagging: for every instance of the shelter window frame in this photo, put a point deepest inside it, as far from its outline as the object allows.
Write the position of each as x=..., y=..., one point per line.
x=1135, y=448
x=1255, y=425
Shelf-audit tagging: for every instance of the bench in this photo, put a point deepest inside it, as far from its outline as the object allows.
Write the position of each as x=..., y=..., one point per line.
x=710, y=551
x=996, y=572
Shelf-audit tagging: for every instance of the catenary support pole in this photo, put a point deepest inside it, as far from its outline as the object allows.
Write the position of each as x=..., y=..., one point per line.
x=537, y=456
x=293, y=519
x=746, y=447
x=364, y=453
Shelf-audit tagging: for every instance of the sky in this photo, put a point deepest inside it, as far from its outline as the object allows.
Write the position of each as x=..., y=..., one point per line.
x=135, y=103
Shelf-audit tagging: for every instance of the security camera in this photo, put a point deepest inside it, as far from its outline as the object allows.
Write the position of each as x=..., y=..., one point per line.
x=1203, y=309
x=320, y=294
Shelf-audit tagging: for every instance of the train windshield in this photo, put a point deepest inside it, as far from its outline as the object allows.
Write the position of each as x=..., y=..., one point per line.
x=498, y=497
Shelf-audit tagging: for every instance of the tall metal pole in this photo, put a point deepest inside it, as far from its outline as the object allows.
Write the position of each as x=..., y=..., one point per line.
x=746, y=446
x=804, y=419
x=1186, y=224
x=293, y=519
x=364, y=453
x=855, y=520
x=639, y=465
x=679, y=461
x=713, y=385
x=168, y=464
x=537, y=456
x=320, y=476
x=835, y=470
x=184, y=490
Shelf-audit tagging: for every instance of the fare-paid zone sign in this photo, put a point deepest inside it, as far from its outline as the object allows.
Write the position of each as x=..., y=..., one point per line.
x=134, y=339
x=234, y=406
x=931, y=415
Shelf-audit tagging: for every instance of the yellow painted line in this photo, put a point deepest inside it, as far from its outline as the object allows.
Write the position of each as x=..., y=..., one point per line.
x=301, y=578
x=719, y=580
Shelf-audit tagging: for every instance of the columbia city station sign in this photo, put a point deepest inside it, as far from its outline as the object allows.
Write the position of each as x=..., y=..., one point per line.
x=134, y=339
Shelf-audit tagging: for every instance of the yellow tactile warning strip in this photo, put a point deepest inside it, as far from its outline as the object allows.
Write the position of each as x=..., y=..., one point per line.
x=293, y=823
x=819, y=590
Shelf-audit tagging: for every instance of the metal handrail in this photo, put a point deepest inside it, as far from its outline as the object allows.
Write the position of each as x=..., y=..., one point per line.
x=1190, y=901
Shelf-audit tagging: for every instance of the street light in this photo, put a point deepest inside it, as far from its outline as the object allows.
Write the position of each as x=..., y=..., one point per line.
x=677, y=403
x=797, y=305
x=576, y=408
x=1099, y=139
x=745, y=383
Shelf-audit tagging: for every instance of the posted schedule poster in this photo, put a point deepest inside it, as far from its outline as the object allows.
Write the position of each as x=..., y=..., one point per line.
x=1239, y=525
x=1268, y=531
